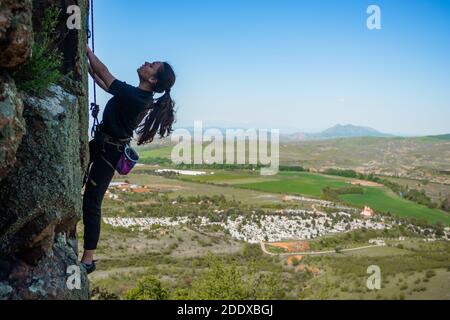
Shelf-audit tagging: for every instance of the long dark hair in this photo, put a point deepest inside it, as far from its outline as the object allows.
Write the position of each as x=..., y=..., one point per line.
x=162, y=114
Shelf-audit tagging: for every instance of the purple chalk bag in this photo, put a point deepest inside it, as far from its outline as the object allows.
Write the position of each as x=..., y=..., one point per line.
x=127, y=161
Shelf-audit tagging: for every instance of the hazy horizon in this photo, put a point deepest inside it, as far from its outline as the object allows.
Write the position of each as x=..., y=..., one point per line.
x=291, y=130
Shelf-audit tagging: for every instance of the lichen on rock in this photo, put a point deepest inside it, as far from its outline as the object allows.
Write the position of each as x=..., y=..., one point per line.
x=12, y=126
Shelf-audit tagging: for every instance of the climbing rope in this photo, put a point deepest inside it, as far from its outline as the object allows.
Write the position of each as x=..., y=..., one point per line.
x=95, y=108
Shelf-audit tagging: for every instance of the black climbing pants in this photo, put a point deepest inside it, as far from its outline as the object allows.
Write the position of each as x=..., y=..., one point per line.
x=104, y=158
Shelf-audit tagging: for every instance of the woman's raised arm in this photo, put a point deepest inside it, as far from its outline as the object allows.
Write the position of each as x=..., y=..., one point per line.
x=97, y=78
x=99, y=69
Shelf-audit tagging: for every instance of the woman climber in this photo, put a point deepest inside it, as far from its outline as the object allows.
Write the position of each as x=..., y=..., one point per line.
x=124, y=114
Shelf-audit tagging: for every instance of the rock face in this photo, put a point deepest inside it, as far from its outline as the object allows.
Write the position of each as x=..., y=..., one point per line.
x=43, y=155
x=15, y=48
x=16, y=33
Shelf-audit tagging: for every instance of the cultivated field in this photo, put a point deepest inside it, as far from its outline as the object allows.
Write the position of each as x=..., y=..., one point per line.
x=311, y=184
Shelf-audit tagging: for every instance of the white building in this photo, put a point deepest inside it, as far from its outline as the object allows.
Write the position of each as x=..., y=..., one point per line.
x=368, y=212
x=184, y=172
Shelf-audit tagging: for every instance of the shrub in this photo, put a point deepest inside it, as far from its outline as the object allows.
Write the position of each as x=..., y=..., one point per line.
x=100, y=293
x=43, y=68
x=445, y=205
x=148, y=288
x=430, y=274
x=295, y=261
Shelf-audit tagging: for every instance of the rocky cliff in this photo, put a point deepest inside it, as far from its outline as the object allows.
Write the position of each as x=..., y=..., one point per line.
x=43, y=154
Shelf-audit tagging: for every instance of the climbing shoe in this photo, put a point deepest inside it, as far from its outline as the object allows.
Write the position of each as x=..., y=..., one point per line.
x=89, y=268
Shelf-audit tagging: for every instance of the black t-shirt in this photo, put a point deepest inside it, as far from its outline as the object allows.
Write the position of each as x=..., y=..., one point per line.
x=126, y=110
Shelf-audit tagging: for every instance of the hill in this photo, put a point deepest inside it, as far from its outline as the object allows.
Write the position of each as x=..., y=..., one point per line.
x=441, y=137
x=338, y=131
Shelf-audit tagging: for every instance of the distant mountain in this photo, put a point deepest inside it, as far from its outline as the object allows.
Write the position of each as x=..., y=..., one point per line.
x=349, y=130
x=338, y=131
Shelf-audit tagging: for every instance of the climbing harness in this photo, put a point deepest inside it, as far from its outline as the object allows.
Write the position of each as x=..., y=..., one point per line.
x=129, y=157
x=94, y=108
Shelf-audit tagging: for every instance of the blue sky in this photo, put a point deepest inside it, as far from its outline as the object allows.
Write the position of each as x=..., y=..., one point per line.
x=295, y=65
